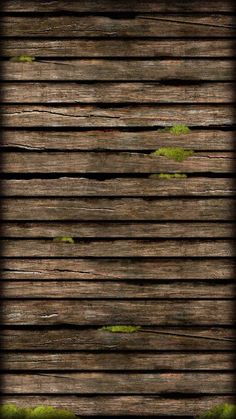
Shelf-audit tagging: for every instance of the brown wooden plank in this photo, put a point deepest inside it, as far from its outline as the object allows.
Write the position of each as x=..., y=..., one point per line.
x=123, y=405
x=117, y=92
x=158, y=339
x=119, y=248
x=124, y=116
x=95, y=6
x=122, y=162
x=147, y=312
x=118, y=48
x=95, y=26
x=110, y=289
x=117, y=230
x=113, y=139
x=117, y=361
x=112, y=383
x=115, y=269
x=126, y=209
x=122, y=70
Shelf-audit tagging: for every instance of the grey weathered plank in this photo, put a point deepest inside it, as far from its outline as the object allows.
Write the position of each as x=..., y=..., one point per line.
x=113, y=139
x=117, y=361
x=118, y=162
x=91, y=116
x=120, y=70
x=113, y=383
x=95, y=6
x=97, y=26
x=117, y=92
x=110, y=289
x=117, y=230
x=123, y=405
x=158, y=339
x=119, y=48
x=120, y=209
x=119, y=248
x=117, y=269
x=142, y=312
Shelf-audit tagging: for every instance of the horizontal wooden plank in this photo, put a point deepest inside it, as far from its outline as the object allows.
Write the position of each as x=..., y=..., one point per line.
x=117, y=361
x=157, y=339
x=110, y=289
x=123, y=116
x=117, y=92
x=118, y=48
x=123, y=405
x=113, y=383
x=98, y=162
x=109, y=26
x=115, y=269
x=126, y=209
x=95, y=6
x=147, y=312
x=117, y=230
x=119, y=248
x=120, y=70
x=113, y=139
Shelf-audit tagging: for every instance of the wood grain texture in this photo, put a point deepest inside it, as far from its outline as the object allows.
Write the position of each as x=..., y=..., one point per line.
x=92, y=312
x=154, y=338
x=113, y=383
x=114, y=139
x=118, y=269
x=117, y=230
x=117, y=92
x=82, y=361
x=119, y=248
x=116, y=290
x=119, y=48
x=120, y=70
x=95, y=26
x=95, y=6
x=119, y=209
x=91, y=116
x=89, y=162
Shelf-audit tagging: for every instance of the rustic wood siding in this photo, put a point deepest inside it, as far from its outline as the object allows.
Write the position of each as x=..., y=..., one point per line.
x=79, y=124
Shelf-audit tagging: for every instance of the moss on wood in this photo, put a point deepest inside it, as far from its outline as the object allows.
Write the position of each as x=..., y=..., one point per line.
x=168, y=176
x=120, y=329
x=64, y=240
x=174, y=153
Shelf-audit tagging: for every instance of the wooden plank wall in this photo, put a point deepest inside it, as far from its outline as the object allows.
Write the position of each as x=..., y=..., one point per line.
x=78, y=125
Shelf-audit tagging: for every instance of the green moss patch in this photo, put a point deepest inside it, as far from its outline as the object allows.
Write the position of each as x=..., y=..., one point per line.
x=9, y=411
x=64, y=240
x=168, y=176
x=222, y=411
x=120, y=329
x=173, y=153
x=22, y=59
x=178, y=129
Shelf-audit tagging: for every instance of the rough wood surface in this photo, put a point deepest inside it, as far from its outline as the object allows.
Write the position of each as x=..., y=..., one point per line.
x=91, y=116
x=92, y=312
x=82, y=361
x=119, y=209
x=113, y=383
x=157, y=339
x=95, y=6
x=117, y=269
x=123, y=405
x=119, y=248
x=123, y=187
x=95, y=26
x=120, y=70
x=117, y=290
x=117, y=92
x=117, y=230
x=114, y=139
x=89, y=162
x=119, y=48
